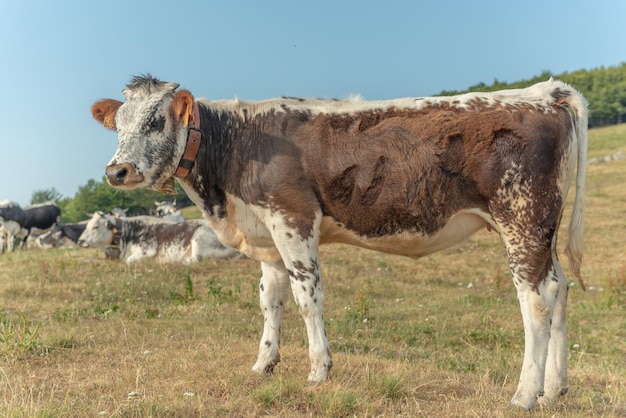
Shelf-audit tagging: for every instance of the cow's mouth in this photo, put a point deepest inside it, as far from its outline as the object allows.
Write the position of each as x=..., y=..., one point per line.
x=123, y=175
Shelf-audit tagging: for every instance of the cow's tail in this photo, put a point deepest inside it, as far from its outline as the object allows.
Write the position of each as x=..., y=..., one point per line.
x=574, y=249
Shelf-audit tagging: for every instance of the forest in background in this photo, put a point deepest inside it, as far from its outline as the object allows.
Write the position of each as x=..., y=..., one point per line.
x=604, y=89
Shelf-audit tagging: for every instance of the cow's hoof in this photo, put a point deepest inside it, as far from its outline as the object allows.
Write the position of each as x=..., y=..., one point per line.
x=526, y=401
x=551, y=397
x=556, y=392
x=318, y=375
x=265, y=367
x=314, y=379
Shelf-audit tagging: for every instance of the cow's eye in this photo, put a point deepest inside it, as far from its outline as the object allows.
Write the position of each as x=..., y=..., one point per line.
x=156, y=125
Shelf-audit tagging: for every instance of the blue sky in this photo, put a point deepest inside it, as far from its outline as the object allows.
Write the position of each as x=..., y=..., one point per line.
x=58, y=58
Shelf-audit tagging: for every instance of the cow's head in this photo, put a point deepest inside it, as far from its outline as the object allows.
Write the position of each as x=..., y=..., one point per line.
x=164, y=208
x=152, y=132
x=99, y=231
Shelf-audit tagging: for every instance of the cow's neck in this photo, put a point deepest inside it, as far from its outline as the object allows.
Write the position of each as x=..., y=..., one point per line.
x=207, y=179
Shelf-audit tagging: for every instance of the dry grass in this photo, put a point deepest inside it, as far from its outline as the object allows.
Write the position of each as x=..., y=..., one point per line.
x=442, y=336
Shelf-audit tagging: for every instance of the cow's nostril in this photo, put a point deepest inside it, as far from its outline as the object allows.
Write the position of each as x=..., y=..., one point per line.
x=121, y=174
x=117, y=174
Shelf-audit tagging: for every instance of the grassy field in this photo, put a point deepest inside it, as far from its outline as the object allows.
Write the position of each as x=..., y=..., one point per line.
x=442, y=336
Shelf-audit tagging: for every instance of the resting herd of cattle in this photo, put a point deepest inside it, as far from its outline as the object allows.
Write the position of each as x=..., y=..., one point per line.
x=166, y=237
x=275, y=179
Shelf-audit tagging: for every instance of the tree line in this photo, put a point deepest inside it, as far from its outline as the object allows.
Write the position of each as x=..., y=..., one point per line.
x=99, y=196
x=604, y=89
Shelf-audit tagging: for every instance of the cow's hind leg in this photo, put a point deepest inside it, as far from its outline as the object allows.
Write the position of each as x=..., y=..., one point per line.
x=273, y=292
x=556, y=366
x=538, y=287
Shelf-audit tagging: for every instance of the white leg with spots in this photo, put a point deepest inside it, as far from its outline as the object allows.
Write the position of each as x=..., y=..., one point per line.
x=537, y=306
x=273, y=292
x=309, y=296
x=556, y=366
x=300, y=252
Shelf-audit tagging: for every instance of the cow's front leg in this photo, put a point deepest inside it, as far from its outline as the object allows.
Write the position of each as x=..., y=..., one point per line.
x=273, y=293
x=299, y=248
x=306, y=285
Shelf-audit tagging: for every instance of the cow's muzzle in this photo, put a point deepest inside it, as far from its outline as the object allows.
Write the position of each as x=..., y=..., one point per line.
x=123, y=175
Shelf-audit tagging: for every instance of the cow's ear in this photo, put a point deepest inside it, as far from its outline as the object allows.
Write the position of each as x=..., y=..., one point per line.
x=182, y=106
x=104, y=112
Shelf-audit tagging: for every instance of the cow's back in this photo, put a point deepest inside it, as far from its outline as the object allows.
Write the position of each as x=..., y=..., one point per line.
x=41, y=216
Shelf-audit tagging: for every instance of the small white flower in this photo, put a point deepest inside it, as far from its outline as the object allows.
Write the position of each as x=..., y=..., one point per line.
x=189, y=394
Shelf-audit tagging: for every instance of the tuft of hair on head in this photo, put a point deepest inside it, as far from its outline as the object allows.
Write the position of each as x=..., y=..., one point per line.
x=146, y=84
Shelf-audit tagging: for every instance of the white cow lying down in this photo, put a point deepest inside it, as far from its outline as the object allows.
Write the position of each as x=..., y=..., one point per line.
x=144, y=236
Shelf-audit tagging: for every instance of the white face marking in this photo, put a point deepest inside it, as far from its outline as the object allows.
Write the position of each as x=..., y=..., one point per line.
x=97, y=233
x=148, y=137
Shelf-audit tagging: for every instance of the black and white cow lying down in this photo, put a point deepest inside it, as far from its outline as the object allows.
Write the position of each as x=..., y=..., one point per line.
x=65, y=235
x=412, y=176
x=148, y=237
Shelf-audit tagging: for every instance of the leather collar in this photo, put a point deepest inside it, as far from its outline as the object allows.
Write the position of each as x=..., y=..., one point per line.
x=194, y=135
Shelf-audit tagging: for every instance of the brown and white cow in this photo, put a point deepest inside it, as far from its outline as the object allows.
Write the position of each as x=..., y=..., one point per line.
x=411, y=176
x=143, y=237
